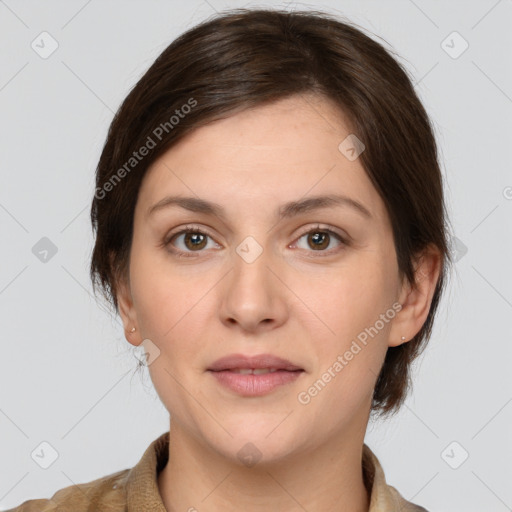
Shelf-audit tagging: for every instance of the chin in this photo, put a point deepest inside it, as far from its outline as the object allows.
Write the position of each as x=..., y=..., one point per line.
x=257, y=442
x=260, y=452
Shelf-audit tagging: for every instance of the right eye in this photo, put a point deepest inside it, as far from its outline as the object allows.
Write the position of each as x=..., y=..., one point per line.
x=193, y=239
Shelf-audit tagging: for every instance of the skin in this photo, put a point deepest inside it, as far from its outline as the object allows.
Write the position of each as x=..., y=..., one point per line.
x=295, y=301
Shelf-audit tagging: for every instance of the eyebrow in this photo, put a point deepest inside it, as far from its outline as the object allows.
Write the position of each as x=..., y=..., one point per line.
x=287, y=210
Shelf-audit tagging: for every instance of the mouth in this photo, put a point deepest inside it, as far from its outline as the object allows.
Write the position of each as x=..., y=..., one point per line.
x=254, y=375
x=261, y=362
x=252, y=371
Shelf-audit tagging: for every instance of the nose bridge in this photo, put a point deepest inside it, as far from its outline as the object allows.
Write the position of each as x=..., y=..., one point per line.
x=252, y=296
x=250, y=278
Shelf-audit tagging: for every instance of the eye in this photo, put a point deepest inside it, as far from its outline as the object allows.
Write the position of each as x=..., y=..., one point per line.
x=192, y=238
x=319, y=239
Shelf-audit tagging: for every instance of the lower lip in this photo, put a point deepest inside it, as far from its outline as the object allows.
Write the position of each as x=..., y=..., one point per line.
x=255, y=385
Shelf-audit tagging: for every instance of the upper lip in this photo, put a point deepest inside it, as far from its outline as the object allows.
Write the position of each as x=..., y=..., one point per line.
x=241, y=361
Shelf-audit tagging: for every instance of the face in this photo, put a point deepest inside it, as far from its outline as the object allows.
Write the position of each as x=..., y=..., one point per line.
x=316, y=286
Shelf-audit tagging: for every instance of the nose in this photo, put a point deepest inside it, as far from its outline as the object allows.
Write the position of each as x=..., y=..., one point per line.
x=253, y=299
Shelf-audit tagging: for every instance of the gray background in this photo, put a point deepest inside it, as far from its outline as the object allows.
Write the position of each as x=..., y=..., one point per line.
x=66, y=369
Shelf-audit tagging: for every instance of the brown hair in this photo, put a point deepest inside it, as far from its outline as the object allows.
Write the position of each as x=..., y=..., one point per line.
x=249, y=57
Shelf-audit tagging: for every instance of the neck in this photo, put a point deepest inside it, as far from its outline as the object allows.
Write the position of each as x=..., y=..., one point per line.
x=328, y=477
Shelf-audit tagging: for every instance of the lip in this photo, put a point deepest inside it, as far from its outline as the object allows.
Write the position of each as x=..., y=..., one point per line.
x=283, y=372
x=241, y=361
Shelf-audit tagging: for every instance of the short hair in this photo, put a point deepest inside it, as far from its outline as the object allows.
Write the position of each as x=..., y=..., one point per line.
x=244, y=58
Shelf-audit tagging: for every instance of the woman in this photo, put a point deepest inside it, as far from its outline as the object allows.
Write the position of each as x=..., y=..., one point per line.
x=271, y=228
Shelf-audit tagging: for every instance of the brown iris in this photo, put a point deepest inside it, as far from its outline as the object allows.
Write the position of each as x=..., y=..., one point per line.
x=320, y=240
x=195, y=240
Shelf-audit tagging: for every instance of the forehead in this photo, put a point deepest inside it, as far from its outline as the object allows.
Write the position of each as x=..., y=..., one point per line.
x=274, y=153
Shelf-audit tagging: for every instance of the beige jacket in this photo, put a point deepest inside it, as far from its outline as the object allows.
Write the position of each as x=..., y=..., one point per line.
x=136, y=489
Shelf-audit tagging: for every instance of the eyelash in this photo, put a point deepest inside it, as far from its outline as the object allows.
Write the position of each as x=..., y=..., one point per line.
x=194, y=229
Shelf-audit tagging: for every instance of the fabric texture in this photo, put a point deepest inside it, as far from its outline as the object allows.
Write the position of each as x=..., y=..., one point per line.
x=136, y=489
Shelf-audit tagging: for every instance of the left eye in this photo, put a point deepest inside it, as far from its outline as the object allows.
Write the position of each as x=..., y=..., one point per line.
x=320, y=239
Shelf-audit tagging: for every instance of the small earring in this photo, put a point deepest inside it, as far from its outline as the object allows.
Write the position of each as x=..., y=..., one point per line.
x=403, y=338
x=133, y=329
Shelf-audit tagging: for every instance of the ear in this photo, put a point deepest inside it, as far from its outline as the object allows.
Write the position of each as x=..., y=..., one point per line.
x=127, y=312
x=416, y=300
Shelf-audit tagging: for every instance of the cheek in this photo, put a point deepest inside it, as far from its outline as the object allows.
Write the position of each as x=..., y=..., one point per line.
x=353, y=343
x=174, y=311
x=164, y=298
x=345, y=302
x=170, y=310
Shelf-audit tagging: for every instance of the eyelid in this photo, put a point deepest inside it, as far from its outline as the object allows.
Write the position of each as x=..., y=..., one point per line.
x=189, y=228
x=325, y=227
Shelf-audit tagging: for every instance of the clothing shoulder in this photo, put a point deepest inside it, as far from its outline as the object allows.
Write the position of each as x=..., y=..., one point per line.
x=403, y=504
x=106, y=494
x=383, y=497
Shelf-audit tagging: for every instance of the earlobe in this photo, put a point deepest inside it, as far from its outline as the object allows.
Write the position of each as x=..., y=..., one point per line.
x=127, y=313
x=417, y=298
